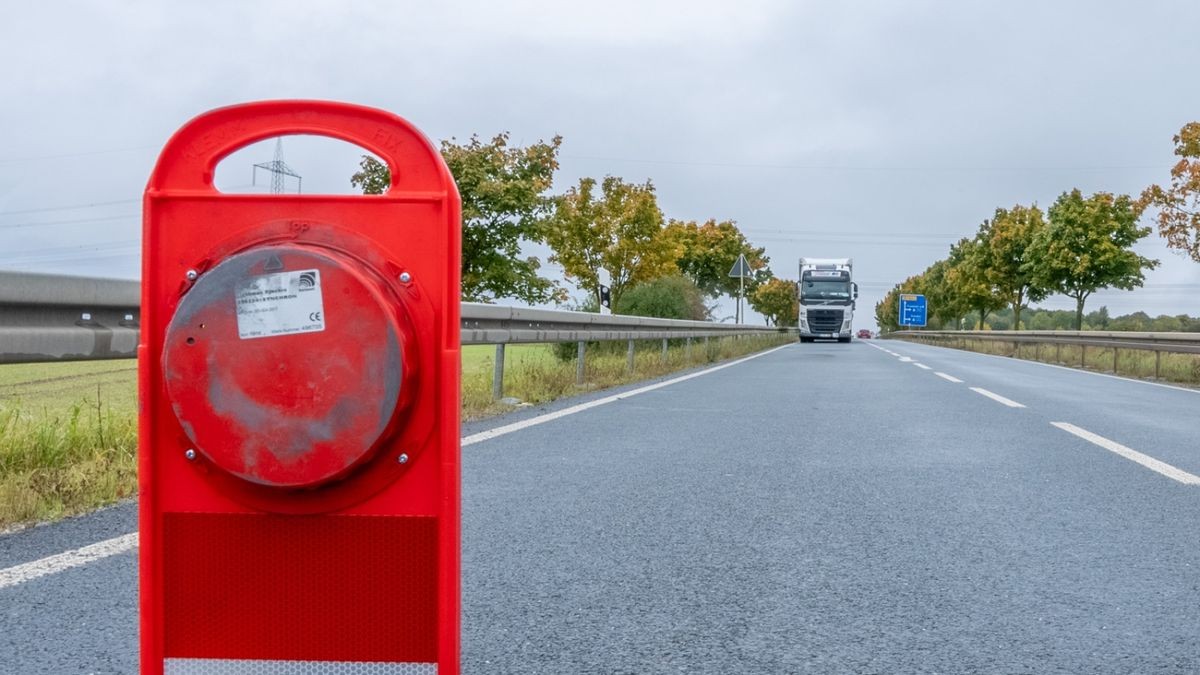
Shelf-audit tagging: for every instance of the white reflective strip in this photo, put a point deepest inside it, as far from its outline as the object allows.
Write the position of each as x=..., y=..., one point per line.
x=269, y=667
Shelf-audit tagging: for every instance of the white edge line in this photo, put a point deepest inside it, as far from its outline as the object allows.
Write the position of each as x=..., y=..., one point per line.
x=1068, y=369
x=66, y=560
x=548, y=417
x=948, y=378
x=81, y=556
x=922, y=366
x=1131, y=454
x=997, y=397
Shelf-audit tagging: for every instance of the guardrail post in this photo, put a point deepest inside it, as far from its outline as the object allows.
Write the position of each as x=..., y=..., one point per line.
x=498, y=374
x=663, y=358
x=629, y=358
x=1083, y=356
x=579, y=357
x=1157, y=363
x=1058, y=352
x=687, y=350
x=707, y=353
x=1114, y=360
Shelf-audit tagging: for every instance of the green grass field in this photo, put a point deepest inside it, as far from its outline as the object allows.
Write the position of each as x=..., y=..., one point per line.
x=68, y=431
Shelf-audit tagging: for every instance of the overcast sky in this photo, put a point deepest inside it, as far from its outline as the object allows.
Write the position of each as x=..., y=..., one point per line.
x=882, y=131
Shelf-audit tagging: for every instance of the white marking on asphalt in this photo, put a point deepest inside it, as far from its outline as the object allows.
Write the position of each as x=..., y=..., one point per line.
x=66, y=560
x=110, y=547
x=548, y=417
x=1128, y=453
x=905, y=359
x=1070, y=369
x=948, y=378
x=922, y=366
x=997, y=397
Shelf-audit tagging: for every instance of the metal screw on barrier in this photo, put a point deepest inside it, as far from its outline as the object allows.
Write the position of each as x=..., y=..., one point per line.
x=192, y=275
x=190, y=454
x=405, y=277
x=403, y=458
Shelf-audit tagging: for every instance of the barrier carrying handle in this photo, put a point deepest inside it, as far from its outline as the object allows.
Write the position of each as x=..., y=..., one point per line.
x=189, y=160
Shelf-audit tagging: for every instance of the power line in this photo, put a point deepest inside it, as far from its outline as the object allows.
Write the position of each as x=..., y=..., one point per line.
x=67, y=208
x=845, y=167
x=75, y=221
x=38, y=158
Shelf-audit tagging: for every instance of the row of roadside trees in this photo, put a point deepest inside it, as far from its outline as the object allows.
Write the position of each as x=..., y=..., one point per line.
x=1080, y=245
x=595, y=228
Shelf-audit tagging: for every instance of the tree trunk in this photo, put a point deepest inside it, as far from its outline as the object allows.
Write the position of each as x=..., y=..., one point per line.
x=1079, y=299
x=982, y=318
x=1017, y=312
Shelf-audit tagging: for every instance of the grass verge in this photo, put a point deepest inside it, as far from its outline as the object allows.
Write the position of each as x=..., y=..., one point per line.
x=1181, y=369
x=68, y=431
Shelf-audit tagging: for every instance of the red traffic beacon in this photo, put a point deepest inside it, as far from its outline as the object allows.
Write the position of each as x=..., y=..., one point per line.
x=299, y=394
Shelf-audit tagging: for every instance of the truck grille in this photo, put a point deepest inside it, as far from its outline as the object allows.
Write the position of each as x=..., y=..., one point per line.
x=824, y=320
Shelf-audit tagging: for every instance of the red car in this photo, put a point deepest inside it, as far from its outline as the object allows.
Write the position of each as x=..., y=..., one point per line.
x=864, y=334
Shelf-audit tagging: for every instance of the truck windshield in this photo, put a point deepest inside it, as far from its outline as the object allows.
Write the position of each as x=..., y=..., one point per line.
x=825, y=290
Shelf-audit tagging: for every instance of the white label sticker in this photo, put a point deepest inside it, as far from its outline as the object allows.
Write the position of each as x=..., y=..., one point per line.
x=280, y=304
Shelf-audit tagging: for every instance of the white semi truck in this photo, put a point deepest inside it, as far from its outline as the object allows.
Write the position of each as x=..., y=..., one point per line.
x=827, y=295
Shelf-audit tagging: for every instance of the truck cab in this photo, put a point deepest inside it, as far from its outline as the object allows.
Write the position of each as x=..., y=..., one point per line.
x=827, y=299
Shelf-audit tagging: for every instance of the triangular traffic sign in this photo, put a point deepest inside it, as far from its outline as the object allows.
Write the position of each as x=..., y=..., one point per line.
x=741, y=268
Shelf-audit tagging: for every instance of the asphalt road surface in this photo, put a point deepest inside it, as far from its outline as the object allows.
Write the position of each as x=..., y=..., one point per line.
x=878, y=507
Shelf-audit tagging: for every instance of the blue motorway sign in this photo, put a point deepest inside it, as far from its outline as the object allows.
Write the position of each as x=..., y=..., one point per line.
x=912, y=310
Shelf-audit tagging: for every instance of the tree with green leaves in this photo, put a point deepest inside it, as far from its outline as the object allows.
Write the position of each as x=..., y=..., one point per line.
x=1087, y=246
x=778, y=300
x=966, y=273
x=504, y=205
x=618, y=228
x=709, y=250
x=1178, y=204
x=1008, y=269
x=887, y=311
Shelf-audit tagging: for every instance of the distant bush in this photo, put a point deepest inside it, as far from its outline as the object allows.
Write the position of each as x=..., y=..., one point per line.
x=674, y=297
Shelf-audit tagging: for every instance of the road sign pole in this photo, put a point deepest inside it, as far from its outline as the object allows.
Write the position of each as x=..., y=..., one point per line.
x=741, y=294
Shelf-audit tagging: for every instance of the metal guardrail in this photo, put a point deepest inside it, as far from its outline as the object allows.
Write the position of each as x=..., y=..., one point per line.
x=1174, y=343
x=46, y=317
x=494, y=324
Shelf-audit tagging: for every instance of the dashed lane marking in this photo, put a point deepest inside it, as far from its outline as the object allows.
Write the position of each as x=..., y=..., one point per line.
x=948, y=378
x=997, y=397
x=922, y=366
x=1130, y=454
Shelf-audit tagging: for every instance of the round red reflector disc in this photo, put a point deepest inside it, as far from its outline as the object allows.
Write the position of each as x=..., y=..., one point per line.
x=284, y=364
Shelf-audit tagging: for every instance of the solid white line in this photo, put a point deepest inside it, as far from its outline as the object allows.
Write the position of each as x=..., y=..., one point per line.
x=66, y=560
x=997, y=397
x=1128, y=453
x=922, y=366
x=110, y=547
x=948, y=378
x=548, y=417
